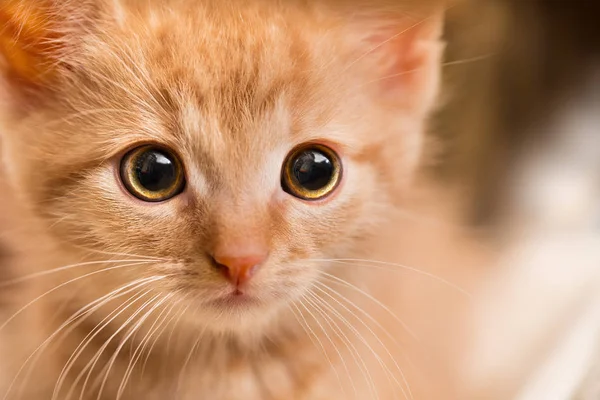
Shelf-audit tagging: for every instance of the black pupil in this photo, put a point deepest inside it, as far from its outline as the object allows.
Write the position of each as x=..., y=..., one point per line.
x=313, y=170
x=155, y=171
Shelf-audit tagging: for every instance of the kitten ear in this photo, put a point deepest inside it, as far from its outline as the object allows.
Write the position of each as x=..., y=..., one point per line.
x=36, y=39
x=402, y=54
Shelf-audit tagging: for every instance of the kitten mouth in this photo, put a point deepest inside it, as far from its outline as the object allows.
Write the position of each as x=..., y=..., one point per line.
x=236, y=298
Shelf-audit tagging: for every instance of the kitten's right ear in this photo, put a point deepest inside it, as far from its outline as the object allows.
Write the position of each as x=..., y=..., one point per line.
x=37, y=39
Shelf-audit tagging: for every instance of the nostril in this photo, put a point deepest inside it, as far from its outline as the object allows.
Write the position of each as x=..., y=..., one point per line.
x=222, y=269
x=217, y=265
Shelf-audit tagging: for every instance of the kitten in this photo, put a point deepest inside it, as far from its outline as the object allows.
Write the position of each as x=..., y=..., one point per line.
x=197, y=183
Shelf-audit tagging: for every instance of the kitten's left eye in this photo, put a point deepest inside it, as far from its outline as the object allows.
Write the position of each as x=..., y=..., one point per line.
x=311, y=172
x=152, y=173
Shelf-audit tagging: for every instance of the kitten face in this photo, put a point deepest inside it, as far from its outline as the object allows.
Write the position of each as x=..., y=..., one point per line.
x=227, y=94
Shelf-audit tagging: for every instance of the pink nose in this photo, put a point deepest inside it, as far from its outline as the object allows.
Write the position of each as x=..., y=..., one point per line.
x=239, y=269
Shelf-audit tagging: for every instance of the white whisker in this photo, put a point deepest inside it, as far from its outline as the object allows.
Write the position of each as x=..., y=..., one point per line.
x=26, y=306
x=375, y=263
x=360, y=363
x=81, y=314
x=120, y=254
x=157, y=337
x=363, y=312
x=92, y=363
x=342, y=282
x=370, y=380
x=64, y=268
x=409, y=395
x=412, y=71
x=142, y=346
x=89, y=337
x=182, y=313
x=333, y=368
x=369, y=317
x=134, y=329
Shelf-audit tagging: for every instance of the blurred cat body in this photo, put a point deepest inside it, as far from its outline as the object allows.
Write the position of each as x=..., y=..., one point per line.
x=231, y=88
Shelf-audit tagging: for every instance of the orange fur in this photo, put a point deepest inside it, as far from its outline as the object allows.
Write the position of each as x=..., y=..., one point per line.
x=231, y=87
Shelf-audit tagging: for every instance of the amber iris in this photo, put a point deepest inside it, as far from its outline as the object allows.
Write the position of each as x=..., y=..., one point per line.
x=311, y=172
x=152, y=173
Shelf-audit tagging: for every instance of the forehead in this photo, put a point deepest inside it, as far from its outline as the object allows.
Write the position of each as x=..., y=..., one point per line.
x=228, y=78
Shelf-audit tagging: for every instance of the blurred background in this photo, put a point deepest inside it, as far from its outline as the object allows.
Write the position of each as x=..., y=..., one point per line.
x=511, y=66
x=520, y=127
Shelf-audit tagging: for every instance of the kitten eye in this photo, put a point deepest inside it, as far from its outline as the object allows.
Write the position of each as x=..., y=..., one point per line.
x=311, y=172
x=152, y=174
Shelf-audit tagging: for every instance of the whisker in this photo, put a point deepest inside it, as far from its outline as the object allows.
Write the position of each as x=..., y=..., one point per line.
x=92, y=363
x=90, y=336
x=64, y=268
x=81, y=314
x=333, y=368
x=109, y=253
x=444, y=65
x=361, y=338
x=369, y=317
x=339, y=281
x=363, y=312
x=342, y=336
x=349, y=345
x=168, y=346
x=369, y=377
x=142, y=346
x=313, y=337
x=354, y=262
x=163, y=328
x=376, y=338
x=22, y=309
x=134, y=329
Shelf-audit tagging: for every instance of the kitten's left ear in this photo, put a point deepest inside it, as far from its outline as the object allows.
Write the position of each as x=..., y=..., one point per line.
x=402, y=54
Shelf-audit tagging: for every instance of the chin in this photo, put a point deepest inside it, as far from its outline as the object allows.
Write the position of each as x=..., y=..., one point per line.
x=237, y=314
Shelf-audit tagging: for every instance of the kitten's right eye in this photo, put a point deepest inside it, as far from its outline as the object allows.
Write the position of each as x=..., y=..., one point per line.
x=152, y=173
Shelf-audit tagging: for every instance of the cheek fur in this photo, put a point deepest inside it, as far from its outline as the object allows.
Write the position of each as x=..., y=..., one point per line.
x=333, y=226
x=97, y=213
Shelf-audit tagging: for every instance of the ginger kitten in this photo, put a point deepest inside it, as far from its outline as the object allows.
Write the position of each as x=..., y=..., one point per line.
x=198, y=185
